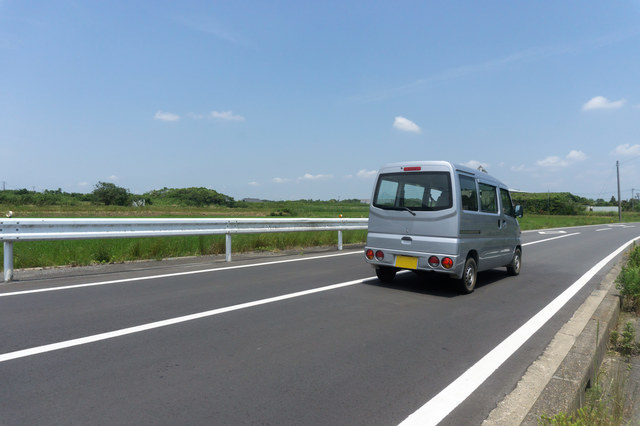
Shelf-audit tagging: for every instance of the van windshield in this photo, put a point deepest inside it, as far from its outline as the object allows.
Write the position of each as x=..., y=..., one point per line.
x=420, y=191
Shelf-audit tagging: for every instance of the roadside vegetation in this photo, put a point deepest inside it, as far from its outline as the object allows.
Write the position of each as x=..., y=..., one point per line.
x=109, y=200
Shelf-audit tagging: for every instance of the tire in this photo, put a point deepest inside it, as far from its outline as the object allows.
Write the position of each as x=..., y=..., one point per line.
x=386, y=275
x=513, y=268
x=469, y=276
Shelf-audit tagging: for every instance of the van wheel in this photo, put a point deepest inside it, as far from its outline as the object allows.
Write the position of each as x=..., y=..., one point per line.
x=469, y=276
x=514, y=267
x=386, y=275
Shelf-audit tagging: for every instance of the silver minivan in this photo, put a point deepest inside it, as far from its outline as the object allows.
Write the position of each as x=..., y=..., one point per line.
x=441, y=217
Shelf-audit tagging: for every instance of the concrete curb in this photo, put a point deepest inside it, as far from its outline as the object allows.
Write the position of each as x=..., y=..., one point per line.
x=556, y=382
x=565, y=392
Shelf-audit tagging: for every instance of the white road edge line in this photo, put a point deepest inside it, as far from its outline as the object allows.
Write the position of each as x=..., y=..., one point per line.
x=176, y=274
x=438, y=407
x=172, y=321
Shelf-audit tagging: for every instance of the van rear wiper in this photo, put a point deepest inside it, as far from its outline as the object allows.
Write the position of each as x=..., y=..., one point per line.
x=409, y=210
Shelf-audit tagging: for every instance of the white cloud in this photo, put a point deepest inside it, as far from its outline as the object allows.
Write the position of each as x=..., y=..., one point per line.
x=367, y=174
x=279, y=180
x=83, y=184
x=166, y=116
x=600, y=102
x=627, y=150
x=554, y=161
x=226, y=116
x=520, y=168
x=475, y=164
x=113, y=177
x=406, y=125
x=574, y=156
x=309, y=176
x=253, y=184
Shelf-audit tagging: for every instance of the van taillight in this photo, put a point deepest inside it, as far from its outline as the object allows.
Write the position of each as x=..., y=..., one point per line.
x=369, y=254
x=412, y=169
x=434, y=261
x=447, y=263
x=379, y=255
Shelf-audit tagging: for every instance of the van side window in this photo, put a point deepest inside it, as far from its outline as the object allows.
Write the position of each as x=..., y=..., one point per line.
x=469, y=193
x=488, y=198
x=507, y=205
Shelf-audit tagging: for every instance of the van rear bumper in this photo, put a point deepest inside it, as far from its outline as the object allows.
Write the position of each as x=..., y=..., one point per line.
x=421, y=248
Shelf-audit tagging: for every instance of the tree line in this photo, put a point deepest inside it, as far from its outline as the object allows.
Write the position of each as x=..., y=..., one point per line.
x=564, y=203
x=109, y=194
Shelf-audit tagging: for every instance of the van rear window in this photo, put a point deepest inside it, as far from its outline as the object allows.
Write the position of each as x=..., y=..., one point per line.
x=423, y=191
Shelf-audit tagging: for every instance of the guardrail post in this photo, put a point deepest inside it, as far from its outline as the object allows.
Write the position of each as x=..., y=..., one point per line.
x=339, y=240
x=8, y=261
x=227, y=247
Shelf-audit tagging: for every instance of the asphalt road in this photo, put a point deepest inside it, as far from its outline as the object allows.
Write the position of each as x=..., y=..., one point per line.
x=302, y=339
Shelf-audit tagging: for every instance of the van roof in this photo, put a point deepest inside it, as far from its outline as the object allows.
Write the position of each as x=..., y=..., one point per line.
x=399, y=166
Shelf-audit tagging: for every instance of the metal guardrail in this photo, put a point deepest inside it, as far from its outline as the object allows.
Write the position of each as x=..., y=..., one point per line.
x=12, y=230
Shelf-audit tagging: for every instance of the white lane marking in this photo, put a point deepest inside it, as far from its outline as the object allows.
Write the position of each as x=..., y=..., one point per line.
x=165, y=323
x=459, y=390
x=176, y=274
x=603, y=229
x=550, y=239
x=551, y=232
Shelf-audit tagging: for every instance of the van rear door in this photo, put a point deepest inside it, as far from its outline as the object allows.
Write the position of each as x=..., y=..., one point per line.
x=413, y=210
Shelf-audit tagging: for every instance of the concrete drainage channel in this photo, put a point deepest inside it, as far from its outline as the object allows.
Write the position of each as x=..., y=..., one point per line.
x=557, y=381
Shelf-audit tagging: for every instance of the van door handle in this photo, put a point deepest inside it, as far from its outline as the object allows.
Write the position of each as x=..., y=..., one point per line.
x=501, y=223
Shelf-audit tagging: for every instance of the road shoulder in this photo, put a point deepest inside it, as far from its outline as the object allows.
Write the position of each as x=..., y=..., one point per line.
x=557, y=380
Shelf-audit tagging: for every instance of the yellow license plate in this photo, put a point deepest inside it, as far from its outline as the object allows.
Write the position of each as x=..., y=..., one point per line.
x=407, y=262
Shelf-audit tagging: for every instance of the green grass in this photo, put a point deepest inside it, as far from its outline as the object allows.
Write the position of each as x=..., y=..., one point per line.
x=628, y=282
x=87, y=252
x=535, y=221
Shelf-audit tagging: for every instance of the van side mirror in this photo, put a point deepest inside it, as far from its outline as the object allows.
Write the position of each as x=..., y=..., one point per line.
x=518, y=210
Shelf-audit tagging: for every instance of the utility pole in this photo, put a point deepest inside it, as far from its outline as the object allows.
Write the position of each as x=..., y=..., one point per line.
x=632, y=189
x=619, y=202
x=548, y=201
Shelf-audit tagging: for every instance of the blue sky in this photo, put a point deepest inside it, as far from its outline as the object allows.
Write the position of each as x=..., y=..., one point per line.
x=296, y=99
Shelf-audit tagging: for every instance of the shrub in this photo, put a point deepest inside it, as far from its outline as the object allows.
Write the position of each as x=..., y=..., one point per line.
x=628, y=282
x=196, y=197
x=625, y=342
x=110, y=194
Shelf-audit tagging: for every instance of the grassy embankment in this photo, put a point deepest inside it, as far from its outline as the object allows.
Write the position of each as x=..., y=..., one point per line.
x=86, y=252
